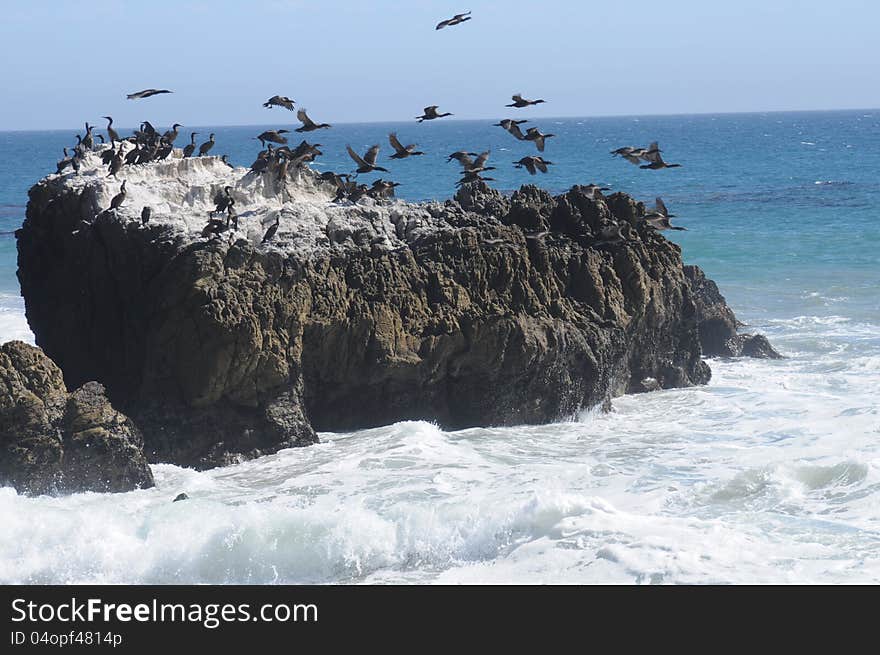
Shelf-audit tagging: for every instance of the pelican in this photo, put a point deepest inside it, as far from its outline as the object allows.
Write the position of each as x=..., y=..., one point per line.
x=146, y=93
x=534, y=134
x=113, y=134
x=279, y=101
x=401, y=151
x=367, y=163
x=274, y=136
x=119, y=198
x=519, y=101
x=191, y=147
x=171, y=134
x=512, y=126
x=455, y=20
x=308, y=124
x=533, y=164
x=430, y=114
x=207, y=145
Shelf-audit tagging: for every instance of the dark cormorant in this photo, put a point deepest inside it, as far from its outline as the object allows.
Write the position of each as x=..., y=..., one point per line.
x=519, y=101
x=191, y=147
x=87, y=141
x=119, y=198
x=222, y=200
x=533, y=164
x=113, y=134
x=512, y=126
x=430, y=114
x=207, y=145
x=146, y=212
x=308, y=124
x=270, y=233
x=367, y=163
x=279, y=101
x=146, y=93
x=274, y=136
x=534, y=134
x=401, y=151
x=223, y=159
x=171, y=134
x=455, y=20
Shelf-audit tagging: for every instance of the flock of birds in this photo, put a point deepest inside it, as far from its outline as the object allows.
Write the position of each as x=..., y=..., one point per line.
x=147, y=144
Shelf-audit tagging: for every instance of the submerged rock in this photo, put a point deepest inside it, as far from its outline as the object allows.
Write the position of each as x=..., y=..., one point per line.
x=483, y=310
x=52, y=441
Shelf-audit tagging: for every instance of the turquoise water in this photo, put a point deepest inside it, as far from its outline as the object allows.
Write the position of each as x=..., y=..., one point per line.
x=771, y=473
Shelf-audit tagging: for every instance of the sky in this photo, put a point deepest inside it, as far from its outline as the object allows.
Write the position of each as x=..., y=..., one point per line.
x=66, y=62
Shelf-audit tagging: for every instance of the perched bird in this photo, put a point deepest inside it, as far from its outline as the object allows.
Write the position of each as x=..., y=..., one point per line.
x=222, y=200
x=215, y=226
x=533, y=164
x=146, y=213
x=512, y=126
x=455, y=20
x=223, y=158
x=401, y=151
x=207, y=145
x=113, y=134
x=101, y=136
x=171, y=135
x=270, y=233
x=519, y=101
x=534, y=134
x=279, y=101
x=273, y=135
x=430, y=114
x=232, y=216
x=382, y=189
x=191, y=146
x=116, y=162
x=308, y=124
x=119, y=198
x=367, y=163
x=87, y=141
x=146, y=93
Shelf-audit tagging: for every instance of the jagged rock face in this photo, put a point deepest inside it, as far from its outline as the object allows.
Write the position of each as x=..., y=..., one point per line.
x=718, y=326
x=52, y=441
x=355, y=316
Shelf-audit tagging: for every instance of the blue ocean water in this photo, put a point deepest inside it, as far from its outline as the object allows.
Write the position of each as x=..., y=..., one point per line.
x=771, y=473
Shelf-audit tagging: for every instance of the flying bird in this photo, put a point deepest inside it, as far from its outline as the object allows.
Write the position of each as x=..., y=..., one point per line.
x=273, y=135
x=659, y=217
x=430, y=114
x=534, y=134
x=146, y=93
x=401, y=151
x=279, y=101
x=519, y=101
x=533, y=164
x=367, y=163
x=455, y=20
x=512, y=127
x=307, y=123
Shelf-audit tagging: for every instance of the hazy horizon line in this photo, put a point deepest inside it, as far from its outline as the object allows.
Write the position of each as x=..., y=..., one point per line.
x=466, y=120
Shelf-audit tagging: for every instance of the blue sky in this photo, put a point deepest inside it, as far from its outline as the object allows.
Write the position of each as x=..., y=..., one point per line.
x=65, y=62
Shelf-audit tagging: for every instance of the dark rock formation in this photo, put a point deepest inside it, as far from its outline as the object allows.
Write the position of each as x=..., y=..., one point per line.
x=52, y=441
x=353, y=316
x=719, y=336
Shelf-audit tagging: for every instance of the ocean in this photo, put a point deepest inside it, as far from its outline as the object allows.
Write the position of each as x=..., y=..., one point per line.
x=769, y=474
